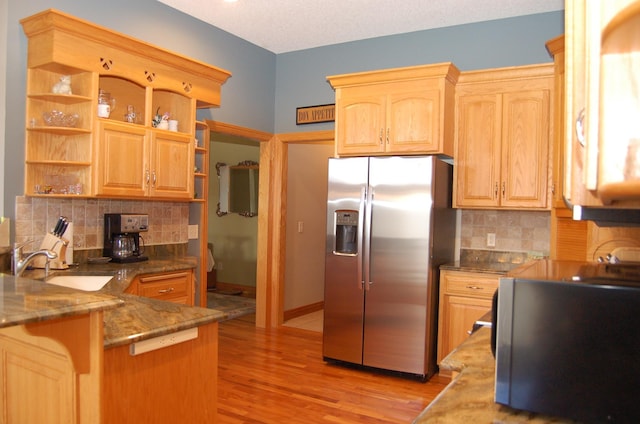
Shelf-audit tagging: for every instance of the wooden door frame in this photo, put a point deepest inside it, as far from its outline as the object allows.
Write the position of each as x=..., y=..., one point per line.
x=272, y=233
x=272, y=215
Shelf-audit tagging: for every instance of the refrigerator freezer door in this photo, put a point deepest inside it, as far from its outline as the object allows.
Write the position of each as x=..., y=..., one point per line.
x=343, y=291
x=399, y=291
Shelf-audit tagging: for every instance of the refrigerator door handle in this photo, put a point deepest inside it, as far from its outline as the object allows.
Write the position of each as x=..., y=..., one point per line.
x=367, y=238
x=361, y=212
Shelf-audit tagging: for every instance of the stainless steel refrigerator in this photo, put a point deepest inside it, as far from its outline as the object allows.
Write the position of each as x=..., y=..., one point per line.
x=389, y=227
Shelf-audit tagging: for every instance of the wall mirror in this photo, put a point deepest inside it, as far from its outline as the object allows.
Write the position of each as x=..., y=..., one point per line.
x=238, y=188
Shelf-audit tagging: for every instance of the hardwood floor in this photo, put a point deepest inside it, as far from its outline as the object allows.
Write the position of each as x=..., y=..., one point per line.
x=278, y=376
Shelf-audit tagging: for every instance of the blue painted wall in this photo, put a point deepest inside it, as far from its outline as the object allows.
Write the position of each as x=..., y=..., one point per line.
x=301, y=76
x=265, y=88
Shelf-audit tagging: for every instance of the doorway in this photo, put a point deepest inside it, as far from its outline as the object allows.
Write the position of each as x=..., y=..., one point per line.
x=270, y=269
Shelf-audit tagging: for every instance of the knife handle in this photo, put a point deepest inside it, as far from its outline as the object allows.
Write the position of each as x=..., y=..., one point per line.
x=58, y=227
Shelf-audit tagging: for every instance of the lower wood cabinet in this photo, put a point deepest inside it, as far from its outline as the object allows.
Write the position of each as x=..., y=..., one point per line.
x=174, y=384
x=464, y=297
x=50, y=371
x=174, y=287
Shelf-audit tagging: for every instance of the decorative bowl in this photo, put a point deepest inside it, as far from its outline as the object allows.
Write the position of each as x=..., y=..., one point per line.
x=56, y=118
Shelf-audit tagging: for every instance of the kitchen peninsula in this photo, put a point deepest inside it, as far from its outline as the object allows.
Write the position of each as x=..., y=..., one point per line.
x=469, y=396
x=93, y=340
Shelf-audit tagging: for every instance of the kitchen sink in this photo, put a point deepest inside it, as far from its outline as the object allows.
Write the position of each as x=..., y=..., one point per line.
x=80, y=282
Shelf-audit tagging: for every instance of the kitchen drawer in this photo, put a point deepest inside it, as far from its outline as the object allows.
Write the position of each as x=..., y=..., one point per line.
x=469, y=284
x=174, y=287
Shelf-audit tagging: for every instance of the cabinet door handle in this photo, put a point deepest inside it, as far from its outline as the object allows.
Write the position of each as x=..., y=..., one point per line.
x=495, y=190
x=169, y=290
x=504, y=189
x=381, y=133
x=580, y=127
x=146, y=176
x=387, y=135
x=474, y=287
x=153, y=184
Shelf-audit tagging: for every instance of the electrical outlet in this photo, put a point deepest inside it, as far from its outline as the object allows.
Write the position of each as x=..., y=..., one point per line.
x=300, y=226
x=491, y=239
x=192, y=231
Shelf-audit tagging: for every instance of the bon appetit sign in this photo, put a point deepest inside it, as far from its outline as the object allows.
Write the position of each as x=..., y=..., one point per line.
x=315, y=114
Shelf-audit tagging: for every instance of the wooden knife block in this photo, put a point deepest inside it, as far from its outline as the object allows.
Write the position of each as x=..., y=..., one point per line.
x=58, y=245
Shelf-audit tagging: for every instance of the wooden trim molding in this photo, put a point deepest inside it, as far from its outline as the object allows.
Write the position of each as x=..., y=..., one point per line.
x=302, y=310
x=271, y=258
x=238, y=131
x=272, y=216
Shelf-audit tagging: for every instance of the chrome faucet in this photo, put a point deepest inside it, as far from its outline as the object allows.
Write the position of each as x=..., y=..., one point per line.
x=20, y=263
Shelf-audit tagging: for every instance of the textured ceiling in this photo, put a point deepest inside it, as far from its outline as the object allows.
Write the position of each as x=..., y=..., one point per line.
x=282, y=26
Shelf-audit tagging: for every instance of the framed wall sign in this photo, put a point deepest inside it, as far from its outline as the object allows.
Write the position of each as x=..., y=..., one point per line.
x=315, y=114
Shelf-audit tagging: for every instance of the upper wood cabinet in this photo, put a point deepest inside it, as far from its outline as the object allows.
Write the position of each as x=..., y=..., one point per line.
x=125, y=154
x=403, y=110
x=603, y=102
x=502, y=138
x=555, y=47
x=138, y=162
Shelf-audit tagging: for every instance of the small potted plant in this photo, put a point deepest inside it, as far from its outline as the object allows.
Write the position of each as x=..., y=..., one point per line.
x=161, y=121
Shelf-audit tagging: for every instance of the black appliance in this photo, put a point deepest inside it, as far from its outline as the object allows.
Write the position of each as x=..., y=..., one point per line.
x=122, y=240
x=567, y=342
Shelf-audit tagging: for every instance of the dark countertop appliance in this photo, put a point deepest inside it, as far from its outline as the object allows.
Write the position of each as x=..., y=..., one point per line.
x=567, y=341
x=122, y=240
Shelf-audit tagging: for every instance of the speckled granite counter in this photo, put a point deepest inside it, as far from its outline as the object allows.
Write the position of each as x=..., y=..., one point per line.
x=143, y=318
x=469, y=397
x=25, y=301
x=123, y=273
x=135, y=318
x=489, y=261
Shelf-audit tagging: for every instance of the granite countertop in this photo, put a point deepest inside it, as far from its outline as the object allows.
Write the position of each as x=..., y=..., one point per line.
x=25, y=300
x=123, y=273
x=489, y=261
x=143, y=318
x=469, y=396
x=127, y=318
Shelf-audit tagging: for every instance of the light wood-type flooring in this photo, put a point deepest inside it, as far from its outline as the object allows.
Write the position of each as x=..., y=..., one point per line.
x=278, y=376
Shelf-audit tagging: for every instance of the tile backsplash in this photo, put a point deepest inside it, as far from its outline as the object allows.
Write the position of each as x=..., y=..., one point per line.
x=36, y=216
x=516, y=231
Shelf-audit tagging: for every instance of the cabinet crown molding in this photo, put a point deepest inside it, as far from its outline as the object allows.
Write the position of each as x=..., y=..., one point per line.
x=79, y=44
x=446, y=70
x=510, y=73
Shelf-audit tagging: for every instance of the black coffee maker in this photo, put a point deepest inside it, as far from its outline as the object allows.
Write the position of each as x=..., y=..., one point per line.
x=122, y=240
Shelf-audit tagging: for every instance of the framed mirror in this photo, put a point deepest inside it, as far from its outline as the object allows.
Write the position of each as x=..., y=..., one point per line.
x=238, y=188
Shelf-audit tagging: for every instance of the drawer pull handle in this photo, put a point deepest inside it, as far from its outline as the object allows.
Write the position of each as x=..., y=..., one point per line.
x=169, y=290
x=475, y=288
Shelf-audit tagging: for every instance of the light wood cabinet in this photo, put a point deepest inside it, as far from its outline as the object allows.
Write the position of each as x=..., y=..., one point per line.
x=199, y=209
x=51, y=371
x=395, y=111
x=555, y=47
x=174, y=384
x=177, y=287
x=464, y=298
x=201, y=162
x=138, y=162
x=602, y=105
x=502, y=138
x=122, y=155
x=568, y=237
